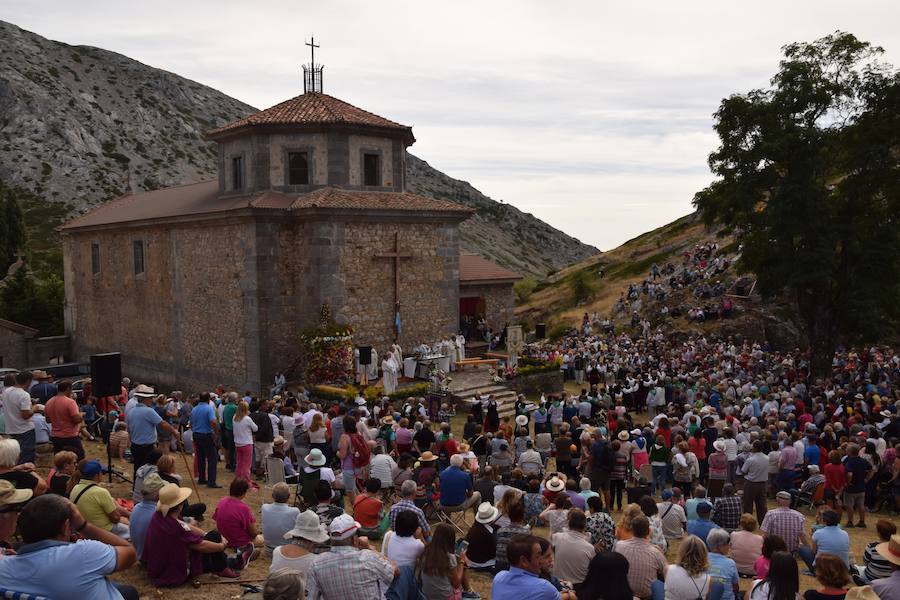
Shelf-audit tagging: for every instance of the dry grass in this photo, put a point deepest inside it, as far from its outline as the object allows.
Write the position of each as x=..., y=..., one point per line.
x=214, y=588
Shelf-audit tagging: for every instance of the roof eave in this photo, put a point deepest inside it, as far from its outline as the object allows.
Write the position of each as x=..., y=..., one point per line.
x=490, y=281
x=222, y=134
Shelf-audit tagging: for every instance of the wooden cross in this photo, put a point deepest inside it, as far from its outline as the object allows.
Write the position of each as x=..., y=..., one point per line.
x=396, y=256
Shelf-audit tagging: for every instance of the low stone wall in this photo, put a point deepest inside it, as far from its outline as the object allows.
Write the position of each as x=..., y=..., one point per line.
x=532, y=385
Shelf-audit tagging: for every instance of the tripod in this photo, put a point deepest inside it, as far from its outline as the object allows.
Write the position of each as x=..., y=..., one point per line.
x=112, y=471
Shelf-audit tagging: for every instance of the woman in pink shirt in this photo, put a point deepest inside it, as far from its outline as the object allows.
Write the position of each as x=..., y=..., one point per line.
x=404, y=437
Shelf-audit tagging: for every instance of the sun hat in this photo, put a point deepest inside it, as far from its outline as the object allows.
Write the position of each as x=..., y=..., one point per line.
x=91, y=468
x=360, y=401
x=10, y=495
x=521, y=420
x=864, y=592
x=343, y=527
x=315, y=458
x=719, y=445
x=40, y=375
x=783, y=495
x=890, y=549
x=278, y=441
x=885, y=413
x=170, y=496
x=387, y=420
x=635, y=431
x=308, y=527
x=427, y=456
x=555, y=484
x=152, y=483
x=624, y=436
x=144, y=391
x=487, y=513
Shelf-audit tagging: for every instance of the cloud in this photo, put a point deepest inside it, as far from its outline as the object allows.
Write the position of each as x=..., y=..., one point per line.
x=594, y=116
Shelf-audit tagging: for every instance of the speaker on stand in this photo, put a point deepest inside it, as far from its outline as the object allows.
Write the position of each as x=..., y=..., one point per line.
x=540, y=331
x=106, y=374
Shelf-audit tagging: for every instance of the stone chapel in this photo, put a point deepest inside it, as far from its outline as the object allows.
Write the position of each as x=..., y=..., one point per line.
x=212, y=282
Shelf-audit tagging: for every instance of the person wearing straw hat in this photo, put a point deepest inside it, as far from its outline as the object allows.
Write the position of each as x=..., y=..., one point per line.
x=175, y=551
x=888, y=588
x=11, y=501
x=298, y=554
x=142, y=512
x=352, y=570
x=142, y=422
x=482, y=538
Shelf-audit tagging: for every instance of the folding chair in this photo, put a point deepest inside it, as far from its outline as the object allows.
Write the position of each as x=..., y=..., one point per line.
x=811, y=500
x=274, y=471
x=454, y=518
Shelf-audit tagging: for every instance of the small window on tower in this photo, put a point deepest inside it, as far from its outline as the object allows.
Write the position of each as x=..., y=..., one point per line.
x=298, y=168
x=138, y=257
x=371, y=170
x=237, y=173
x=95, y=258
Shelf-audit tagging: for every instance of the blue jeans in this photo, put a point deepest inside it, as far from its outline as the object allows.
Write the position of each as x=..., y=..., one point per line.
x=659, y=477
x=26, y=446
x=785, y=480
x=808, y=556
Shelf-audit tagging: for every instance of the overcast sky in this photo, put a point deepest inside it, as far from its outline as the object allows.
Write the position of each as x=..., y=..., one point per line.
x=593, y=116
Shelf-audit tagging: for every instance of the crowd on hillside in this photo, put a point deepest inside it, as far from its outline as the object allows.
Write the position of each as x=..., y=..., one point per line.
x=668, y=444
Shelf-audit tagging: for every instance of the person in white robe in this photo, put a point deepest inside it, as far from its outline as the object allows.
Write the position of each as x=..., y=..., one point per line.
x=372, y=374
x=398, y=357
x=460, y=347
x=389, y=373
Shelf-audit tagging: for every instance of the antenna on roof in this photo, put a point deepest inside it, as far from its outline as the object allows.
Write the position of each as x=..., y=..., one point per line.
x=312, y=73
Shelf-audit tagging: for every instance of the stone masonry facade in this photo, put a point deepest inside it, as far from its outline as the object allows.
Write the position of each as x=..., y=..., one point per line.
x=499, y=302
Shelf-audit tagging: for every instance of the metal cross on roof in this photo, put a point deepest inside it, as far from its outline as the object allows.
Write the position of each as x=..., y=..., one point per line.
x=312, y=49
x=312, y=73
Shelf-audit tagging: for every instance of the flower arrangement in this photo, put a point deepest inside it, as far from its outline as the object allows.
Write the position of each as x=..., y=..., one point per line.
x=327, y=351
x=440, y=381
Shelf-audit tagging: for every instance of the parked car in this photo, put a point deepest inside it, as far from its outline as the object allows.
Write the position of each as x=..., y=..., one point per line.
x=65, y=370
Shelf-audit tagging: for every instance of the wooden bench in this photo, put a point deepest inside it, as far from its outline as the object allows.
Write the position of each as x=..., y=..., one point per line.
x=477, y=361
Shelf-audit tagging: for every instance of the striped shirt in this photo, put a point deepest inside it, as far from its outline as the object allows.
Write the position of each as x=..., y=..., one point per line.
x=786, y=523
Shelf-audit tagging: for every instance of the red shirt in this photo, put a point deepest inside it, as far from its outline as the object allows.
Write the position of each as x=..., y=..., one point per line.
x=367, y=510
x=698, y=447
x=835, y=477
x=233, y=519
x=62, y=413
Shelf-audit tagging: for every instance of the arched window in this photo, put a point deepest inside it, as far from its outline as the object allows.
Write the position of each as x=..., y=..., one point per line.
x=298, y=168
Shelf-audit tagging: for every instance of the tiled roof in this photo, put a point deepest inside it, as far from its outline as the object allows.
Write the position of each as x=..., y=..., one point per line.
x=203, y=199
x=475, y=269
x=312, y=109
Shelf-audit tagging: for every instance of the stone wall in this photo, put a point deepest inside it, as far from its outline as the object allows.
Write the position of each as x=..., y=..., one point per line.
x=183, y=322
x=499, y=300
x=23, y=349
x=378, y=145
x=13, y=349
x=315, y=144
x=536, y=383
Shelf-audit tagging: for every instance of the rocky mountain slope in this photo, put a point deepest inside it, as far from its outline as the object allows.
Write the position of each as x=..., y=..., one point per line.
x=80, y=125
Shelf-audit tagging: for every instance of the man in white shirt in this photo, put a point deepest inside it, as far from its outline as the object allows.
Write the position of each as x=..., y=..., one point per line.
x=17, y=411
x=672, y=516
x=381, y=467
x=573, y=550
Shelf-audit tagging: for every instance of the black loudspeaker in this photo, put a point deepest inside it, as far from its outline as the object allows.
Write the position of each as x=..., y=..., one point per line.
x=540, y=331
x=106, y=374
x=365, y=355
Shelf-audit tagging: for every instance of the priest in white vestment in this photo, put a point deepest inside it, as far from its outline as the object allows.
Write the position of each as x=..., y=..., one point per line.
x=389, y=374
x=372, y=373
x=460, y=347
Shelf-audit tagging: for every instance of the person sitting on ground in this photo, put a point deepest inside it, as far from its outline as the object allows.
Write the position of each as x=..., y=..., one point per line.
x=516, y=513
x=601, y=528
x=648, y=563
x=623, y=528
x=482, y=538
x=95, y=502
x=11, y=503
x=573, y=549
x=727, y=509
x=888, y=588
x=368, y=509
x=443, y=573
x=119, y=440
x=672, y=517
x=688, y=578
x=876, y=566
x=165, y=467
x=63, y=469
x=325, y=508
x=49, y=565
x=457, y=491
x=722, y=568
x=607, y=578
x=143, y=511
x=403, y=544
x=702, y=525
x=746, y=545
x=690, y=506
x=149, y=467
x=648, y=507
x=832, y=573
x=175, y=551
x=522, y=581
x=771, y=544
x=830, y=539
x=352, y=570
x=278, y=517
x=782, y=581
x=298, y=553
x=281, y=584
x=236, y=523
x=22, y=475
x=557, y=514
x=510, y=496
x=381, y=467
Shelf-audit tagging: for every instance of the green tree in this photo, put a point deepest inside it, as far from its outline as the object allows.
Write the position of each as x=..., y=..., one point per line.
x=582, y=285
x=38, y=304
x=807, y=171
x=524, y=288
x=12, y=231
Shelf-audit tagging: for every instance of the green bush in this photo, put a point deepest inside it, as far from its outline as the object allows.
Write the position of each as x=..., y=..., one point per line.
x=524, y=288
x=583, y=285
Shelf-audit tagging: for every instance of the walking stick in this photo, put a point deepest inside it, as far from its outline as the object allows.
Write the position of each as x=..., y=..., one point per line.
x=189, y=470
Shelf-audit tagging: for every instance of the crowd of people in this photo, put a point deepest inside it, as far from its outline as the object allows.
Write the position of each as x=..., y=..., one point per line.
x=654, y=481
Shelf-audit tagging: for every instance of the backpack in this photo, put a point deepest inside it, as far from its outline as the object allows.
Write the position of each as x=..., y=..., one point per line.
x=308, y=484
x=361, y=453
x=682, y=473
